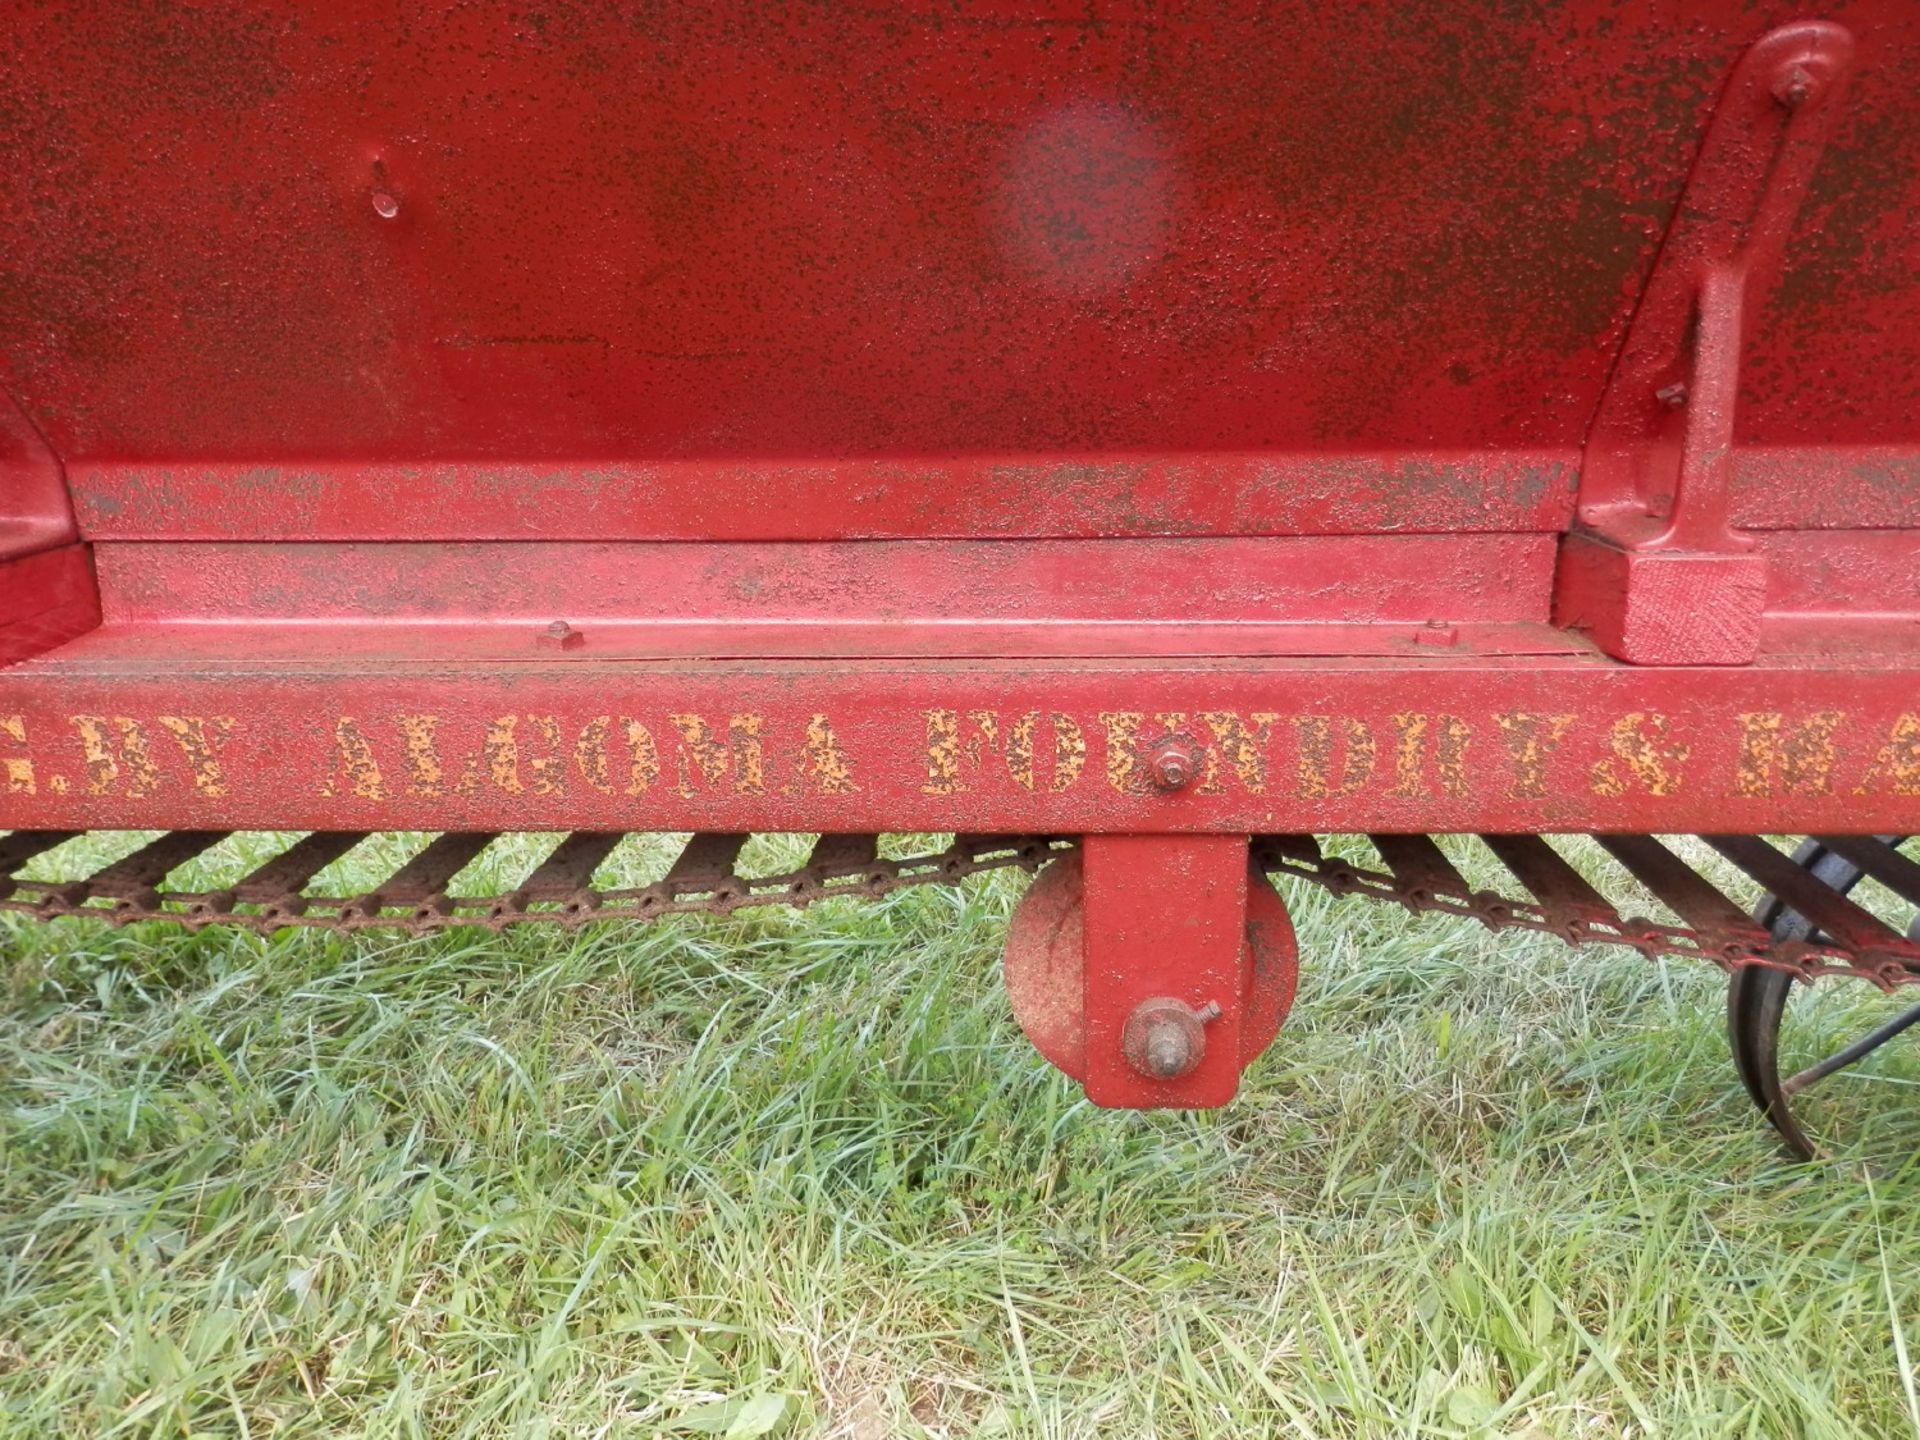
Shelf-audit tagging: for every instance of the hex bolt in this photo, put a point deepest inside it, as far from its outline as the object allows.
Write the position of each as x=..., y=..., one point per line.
x=1173, y=763
x=1165, y=1038
x=561, y=636
x=1795, y=86
x=1672, y=396
x=385, y=204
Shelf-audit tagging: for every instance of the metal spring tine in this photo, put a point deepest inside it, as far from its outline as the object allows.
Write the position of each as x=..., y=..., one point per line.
x=1301, y=849
x=1675, y=885
x=1858, y=1050
x=976, y=845
x=291, y=871
x=422, y=879
x=1826, y=908
x=1416, y=860
x=705, y=864
x=22, y=846
x=1563, y=892
x=568, y=869
x=845, y=854
x=137, y=875
x=1880, y=860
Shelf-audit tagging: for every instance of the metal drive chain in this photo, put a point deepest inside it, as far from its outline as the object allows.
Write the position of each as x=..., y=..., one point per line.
x=702, y=881
x=1731, y=946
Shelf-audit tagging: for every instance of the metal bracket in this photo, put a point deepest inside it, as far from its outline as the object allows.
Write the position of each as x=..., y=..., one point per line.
x=35, y=511
x=48, y=594
x=1655, y=571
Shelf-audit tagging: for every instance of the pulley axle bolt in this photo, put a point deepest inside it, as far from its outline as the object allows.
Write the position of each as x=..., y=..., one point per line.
x=1173, y=763
x=1166, y=1038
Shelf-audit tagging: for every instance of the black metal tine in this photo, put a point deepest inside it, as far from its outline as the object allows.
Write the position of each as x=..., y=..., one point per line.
x=422, y=879
x=22, y=846
x=1859, y=1049
x=844, y=854
x=135, y=877
x=1416, y=860
x=568, y=869
x=1563, y=892
x=1678, y=887
x=705, y=864
x=293, y=869
x=1880, y=860
x=1825, y=908
x=1302, y=849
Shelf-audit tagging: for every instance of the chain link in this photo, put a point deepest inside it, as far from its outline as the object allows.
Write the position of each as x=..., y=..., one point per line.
x=1727, y=947
x=703, y=882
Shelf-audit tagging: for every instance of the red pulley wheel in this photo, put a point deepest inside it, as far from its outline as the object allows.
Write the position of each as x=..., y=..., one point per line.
x=1046, y=950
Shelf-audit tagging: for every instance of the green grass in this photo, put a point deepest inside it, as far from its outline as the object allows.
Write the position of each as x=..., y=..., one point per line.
x=800, y=1175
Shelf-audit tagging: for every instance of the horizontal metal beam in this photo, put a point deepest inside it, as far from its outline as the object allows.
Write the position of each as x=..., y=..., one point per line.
x=140, y=732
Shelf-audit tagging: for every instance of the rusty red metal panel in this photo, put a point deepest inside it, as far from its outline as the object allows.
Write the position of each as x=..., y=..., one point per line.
x=331, y=240
x=1200, y=492
x=1129, y=333
x=122, y=737
x=1826, y=487
x=1296, y=580
x=1842, y=572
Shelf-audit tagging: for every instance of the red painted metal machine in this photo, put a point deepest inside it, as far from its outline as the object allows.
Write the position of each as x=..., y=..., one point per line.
x=1132, y=440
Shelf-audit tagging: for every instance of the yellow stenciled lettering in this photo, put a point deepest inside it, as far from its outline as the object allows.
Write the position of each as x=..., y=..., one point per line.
x=590, y=754
x=1776, y=757
x=428, y=775
x=822, y=758
x=501, y=751
x=1531, y=739
x=1125, y=774
x=1896, y=768
x=16, y=770
x=1449, y=737
x=1643, y=755
x=704, y=758
x=643, y=757
x=1325, y=740
x=1243, y=744
x=952, y=747
x=354, y=762
x=201, y=738
x=547, y=771
x=116, y=747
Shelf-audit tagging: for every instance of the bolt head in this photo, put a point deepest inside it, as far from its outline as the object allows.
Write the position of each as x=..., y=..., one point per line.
x=1794, y=86
x=1173, y=763
x=559, y=635
x=1165, y=1038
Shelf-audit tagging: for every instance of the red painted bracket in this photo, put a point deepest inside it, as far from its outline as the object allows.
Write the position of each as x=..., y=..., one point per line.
x=46, y=599
x=35, y=512
x=48, y=594
x=1656, y=573
x=1152, y=968
x=1165, y=921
